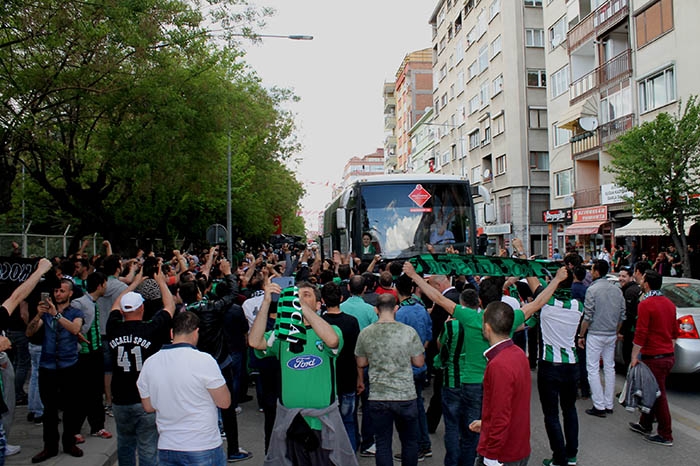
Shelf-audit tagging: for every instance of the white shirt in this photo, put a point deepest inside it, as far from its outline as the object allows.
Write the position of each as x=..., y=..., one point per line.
x=177, y=379
x=251, y=306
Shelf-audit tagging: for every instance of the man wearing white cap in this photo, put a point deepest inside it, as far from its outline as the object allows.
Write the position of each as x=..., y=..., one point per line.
x=131, y=341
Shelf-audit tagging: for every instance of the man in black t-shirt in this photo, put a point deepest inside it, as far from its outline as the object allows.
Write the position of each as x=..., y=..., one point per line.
x=131, y=341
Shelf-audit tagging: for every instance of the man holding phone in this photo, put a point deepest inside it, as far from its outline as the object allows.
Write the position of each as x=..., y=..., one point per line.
x=58, y=369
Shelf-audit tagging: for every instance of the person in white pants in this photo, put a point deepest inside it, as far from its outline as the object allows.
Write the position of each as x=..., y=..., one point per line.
x=604, y=311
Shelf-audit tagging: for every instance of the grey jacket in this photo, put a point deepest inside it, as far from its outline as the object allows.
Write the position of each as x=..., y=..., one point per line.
x=604, y=307
x=641, y=389
x=333, y=436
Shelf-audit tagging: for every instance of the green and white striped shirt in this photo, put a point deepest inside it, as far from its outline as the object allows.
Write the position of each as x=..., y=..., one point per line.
x=559, y=321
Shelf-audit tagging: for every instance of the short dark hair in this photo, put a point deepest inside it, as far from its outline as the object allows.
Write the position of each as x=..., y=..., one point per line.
x=580, y=272
x=386, y=302
x=356, y=285
x=185, y=323
x=94, y=280
x=490, y=290
x=385, y=279
x=370, y=281
x=68, y=282
x=469, y=298
x=111, y=264
x=306, y=284
x=500, y=317
x=188, y=292
x=653, y=279
x=404, y=285
x=331, y=294
x=641, y=267
x=344, y=271
x=573, y=258
x=601, y=266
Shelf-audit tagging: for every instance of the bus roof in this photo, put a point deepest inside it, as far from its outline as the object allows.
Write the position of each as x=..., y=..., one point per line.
x=409, y=178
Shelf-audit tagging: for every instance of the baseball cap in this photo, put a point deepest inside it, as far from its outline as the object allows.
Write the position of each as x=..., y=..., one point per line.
x=131, y=301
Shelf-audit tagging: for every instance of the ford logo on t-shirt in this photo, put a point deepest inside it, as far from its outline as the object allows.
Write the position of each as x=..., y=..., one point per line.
x=301, y=363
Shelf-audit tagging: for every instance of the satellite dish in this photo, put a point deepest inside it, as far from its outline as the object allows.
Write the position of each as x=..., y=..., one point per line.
x=556, y=39
x=487, y=174
x=588, y=123
x=569, y=201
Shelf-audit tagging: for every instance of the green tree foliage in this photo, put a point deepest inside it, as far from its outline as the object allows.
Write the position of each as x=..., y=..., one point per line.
x=121, y=113
x=659, y=163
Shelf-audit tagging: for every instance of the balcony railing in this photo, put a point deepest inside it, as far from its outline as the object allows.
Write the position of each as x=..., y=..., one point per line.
x=584, y=142
x=612, y=129
x=583, y=86
x=587, y=197
x=617, y=67
x=389, y=121
x=597, y=22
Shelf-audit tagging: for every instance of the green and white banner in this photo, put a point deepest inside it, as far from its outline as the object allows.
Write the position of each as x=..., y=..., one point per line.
x=492, y=266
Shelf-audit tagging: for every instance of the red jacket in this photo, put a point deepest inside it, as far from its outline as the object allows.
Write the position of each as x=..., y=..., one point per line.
x=505, y=412
x=656, y=326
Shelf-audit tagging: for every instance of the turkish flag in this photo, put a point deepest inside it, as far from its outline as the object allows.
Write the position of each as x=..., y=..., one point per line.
x=277, y=222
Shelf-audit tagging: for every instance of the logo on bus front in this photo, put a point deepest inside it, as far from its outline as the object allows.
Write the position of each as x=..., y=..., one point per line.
x=419, y=195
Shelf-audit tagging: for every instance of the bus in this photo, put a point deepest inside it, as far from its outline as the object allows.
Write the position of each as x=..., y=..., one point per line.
x=399, y=216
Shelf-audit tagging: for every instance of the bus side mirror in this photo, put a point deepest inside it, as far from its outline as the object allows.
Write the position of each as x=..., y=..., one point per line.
x=340, y=222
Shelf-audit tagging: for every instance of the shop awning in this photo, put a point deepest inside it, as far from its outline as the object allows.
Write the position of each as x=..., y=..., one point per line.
x=583, y=228
x=585, y=108
x=647, y=227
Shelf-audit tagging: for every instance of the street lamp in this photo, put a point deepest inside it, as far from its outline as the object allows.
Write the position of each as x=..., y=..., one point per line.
x=229, y=226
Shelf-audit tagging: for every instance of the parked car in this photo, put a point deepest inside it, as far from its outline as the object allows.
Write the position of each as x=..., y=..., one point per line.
x=685, y=294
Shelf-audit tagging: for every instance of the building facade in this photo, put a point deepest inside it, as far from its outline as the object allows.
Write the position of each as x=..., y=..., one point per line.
x=389, y=96
x=489, y=100
x=362, y=167
x=610, y=65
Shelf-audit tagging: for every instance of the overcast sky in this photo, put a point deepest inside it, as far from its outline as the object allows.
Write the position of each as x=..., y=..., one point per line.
x=338, y=76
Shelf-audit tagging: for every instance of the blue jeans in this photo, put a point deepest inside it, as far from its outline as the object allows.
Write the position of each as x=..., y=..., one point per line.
x=472, y=395
x=453, y=413
x=3, y=444
x=237, y=361
x=136, y=431
x=423, y=436
x=367, y=429
x=404, y=414
x=557, y=385
x=34, y=404
x=346, y=405
x=213, y=457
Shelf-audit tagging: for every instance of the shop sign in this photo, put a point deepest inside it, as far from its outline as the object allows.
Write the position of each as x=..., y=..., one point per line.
x=499, y=229
x=591, y=214
x=556, y=216
x=613, y=194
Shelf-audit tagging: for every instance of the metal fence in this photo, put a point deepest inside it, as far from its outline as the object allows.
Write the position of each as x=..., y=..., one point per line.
x=35, y=245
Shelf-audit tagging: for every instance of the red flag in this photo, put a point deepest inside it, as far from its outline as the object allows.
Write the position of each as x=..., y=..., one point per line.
x=277, y=222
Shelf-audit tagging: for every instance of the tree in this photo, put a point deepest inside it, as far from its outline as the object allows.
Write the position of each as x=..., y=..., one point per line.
x=121, y=112
x=659, y=163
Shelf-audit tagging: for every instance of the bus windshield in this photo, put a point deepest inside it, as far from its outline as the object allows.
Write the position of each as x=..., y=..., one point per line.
x=402, y=219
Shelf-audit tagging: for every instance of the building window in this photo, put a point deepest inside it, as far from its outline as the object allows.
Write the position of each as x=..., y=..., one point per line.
x=498, y=84
x=487, y=134
x=443, y=100
x=559, y=82
x=498, y=124
x=616, y=105
x=443, y=72
x=460, y=82
x=534, y=37
x=561, y=136
x=494, y=8
x=538, y=118
x=452, y=91
x=496, y=46
x=654, y=22
x=476, y=174
x=474, y=104
x=445, y=158
x=481, y=24
x=539, y=160
x=501, y=164
x=564, y=183
x=533, y=2
x=557, y=33
x=657, y=90
x=483, y=57
x=484, y=94
x=474, y=140
x=459, y=52
x=453, y=151
x=537, y=78
x=471, y=36
x=473, y=70
x=505, y=212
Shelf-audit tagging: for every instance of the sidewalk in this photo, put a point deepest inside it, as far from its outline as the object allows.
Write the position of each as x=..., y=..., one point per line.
x=98, y=452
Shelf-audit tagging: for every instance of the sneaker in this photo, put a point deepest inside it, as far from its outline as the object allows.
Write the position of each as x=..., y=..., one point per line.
x=571, y=461
x=550, y=462
x=43, y=455
x=79, y=439
x=427, y=452
x=608, y=411
x=596, y=412
x=369, y=452
x=102, y=433
x=659, y=440
x=421, y=456
x=239, y=410
x=242, y=455
x=108, y=411
x=640, y=429
x=12, y=449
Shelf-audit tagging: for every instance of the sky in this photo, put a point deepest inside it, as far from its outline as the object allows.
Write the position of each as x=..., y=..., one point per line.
x=338, y=76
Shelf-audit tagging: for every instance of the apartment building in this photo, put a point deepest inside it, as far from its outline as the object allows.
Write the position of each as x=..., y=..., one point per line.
x=388, y=94
x=611, y=65
x=364, y=166
x=490, y=100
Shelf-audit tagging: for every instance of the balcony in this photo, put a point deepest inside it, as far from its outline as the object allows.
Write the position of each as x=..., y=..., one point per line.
x=583, y=86
x=616, y=68
x=389, y=122
x=605, y=17
x=584, y=142
x=612, y=129
x=587, y=197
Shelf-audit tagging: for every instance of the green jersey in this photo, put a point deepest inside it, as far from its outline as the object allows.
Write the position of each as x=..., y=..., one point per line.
x=451, y=356
x=308, y=377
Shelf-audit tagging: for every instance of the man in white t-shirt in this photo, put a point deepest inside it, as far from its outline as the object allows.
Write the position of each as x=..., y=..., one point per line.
x=184, y=387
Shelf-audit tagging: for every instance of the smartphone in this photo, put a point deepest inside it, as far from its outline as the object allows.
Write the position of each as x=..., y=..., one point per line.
x=283, y=282
x=45, y=296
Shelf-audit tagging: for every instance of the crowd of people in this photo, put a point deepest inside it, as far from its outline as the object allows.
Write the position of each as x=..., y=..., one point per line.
x=339, y=350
